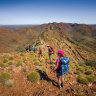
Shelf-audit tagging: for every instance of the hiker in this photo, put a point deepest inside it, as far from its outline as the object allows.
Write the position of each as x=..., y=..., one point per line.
x=40, y=52
x=34, y=49
x=30, y=48
x=61, y=68
x=50, y=53
x=27, y=47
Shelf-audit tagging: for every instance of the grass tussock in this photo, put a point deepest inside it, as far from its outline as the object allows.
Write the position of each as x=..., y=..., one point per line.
x=34, y=77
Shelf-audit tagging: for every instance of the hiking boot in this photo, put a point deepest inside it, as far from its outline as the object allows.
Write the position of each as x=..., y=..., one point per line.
x=59, y=86
x=62, y=85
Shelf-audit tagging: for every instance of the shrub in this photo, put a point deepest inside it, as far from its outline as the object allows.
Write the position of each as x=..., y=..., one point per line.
x=10, y=63
x=24, y=59
x=42, y=61
x=82, y=80
x=19, y=63
x=34, y=59
x=47, y=58
x=91, y=63
x=94, y=81
x=81, y=69
x=4, y=77
x=36, y=62
x=44, y=54
x=70, y=71
x=72, y=65
x=2, y=65
x=41, y=64
x=10, y=58
x=5, y=60
x=31, y=58
x=90, y=78
x=88, y=72
x=54, y=62
x=22, y=54
x=52, y=66
x=5, y=57
x=81, y=63
x=9, y=83
x=34, y=77
x=44, y=69
x=78, y=72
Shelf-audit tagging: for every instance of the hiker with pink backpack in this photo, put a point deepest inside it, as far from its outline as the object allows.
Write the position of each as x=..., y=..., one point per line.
x=40, y=52
x=61, y=68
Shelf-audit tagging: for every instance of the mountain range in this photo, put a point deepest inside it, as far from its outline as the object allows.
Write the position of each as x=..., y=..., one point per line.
x=77, y=40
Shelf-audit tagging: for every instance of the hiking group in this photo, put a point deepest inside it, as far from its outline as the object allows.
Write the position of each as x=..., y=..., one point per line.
x=62, y=63
x=29, y=48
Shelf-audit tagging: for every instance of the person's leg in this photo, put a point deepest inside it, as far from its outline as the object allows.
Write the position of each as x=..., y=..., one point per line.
x=59, y=79
x=50, y=59
x=62, y=81
x=39, y=55
x=59, y=82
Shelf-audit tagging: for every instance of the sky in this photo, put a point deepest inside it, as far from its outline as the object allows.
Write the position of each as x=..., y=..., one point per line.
x=47, y=11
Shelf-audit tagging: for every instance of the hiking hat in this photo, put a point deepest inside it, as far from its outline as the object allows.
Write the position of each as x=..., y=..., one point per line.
x=61, y=52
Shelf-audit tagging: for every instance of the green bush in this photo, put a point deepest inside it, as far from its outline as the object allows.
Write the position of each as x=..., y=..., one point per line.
x=94, y=82
x=36, y=62
x=81, y=69
x=34, y=59
x=19, y=63
x=34, y=77
x=10, y=58
x=22, y=54
x=44, y=69
x=47, y=58
x=24, y=59
x=10, y=63
x=70, y=71
x=9, y=83
x=2, y=65
x=83, y=80
x=81, y=63
x=42, y=61
x=54, y=62
x=5, y=57
x=90, y=78
x=5, y=60
x=88, y=72
x=91, y=63
x=4, y=77
x=78, y=72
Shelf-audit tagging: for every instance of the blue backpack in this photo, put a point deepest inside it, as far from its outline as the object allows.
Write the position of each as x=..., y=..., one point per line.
x=29, y=47
x=34, y=48
x=64, y=65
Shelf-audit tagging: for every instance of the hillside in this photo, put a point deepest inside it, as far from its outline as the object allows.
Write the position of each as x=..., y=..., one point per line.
x=77, y=40
x=16, y=65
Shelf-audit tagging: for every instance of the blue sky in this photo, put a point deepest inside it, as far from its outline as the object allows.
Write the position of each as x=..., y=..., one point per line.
x=45, y=11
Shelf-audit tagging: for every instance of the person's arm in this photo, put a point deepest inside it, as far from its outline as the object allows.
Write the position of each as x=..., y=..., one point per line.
x=56, y=66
